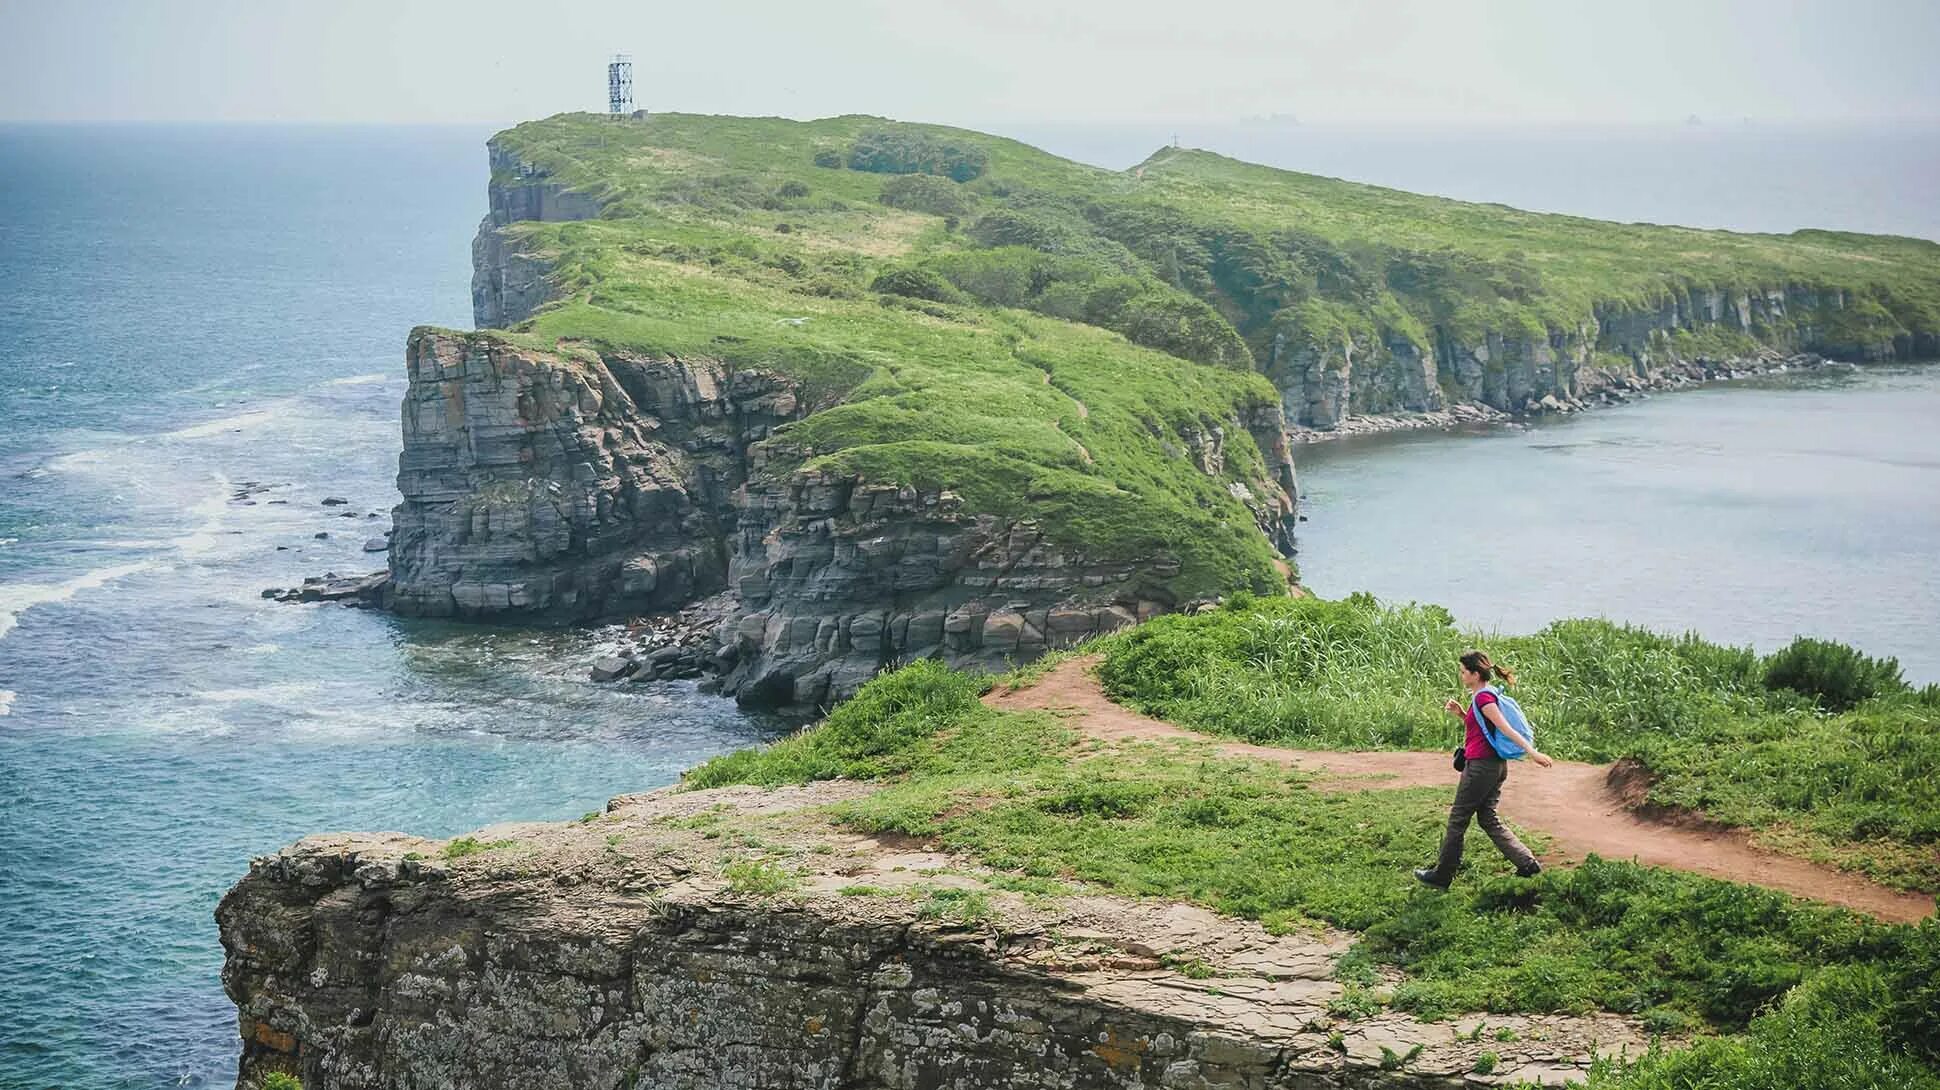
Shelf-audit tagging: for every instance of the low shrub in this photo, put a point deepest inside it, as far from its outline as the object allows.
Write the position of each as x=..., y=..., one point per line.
x=1828, y=1033
x=1835, y=675
x=928, y=193
x=911, y=151
x=913, y=282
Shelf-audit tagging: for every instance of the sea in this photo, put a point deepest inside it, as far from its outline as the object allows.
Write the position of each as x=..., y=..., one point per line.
x=201, y=341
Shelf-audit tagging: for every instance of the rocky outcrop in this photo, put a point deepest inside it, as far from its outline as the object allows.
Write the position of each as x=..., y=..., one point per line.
x=509, y=281
x=635, y=950
x=1327, y=376
x=555, y=487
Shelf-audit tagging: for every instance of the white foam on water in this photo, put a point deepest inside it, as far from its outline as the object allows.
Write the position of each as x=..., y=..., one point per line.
x=359, y=380
x=6, y=701
x=213, y=510
x=18, y=598
x=238, y=422
x=280, y=693
x=6, y=541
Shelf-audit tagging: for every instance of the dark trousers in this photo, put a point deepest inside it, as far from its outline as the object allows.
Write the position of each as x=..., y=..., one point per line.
x=1476, y=796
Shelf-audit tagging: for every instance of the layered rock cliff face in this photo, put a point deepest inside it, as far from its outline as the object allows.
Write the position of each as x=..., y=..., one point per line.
x=638, y=950
x=546, y=487
x=586, y=484
x=1326, y=378
x=509, y=282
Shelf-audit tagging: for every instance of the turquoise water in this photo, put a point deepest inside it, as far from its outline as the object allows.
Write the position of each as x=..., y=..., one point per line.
x=183, y=310
x=1750, y=511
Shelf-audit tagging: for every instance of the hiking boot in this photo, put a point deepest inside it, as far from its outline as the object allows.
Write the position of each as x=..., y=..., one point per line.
x=1532, y=870
x=1426, y=877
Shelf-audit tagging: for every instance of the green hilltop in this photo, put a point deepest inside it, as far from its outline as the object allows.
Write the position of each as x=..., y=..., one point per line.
x=966, y=311
x=1224, y=251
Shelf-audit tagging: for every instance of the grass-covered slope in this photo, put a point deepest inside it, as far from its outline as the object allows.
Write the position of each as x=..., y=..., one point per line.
x=1846, y=771
x=1202, y=255
x=702, y=254
x=1802, y=994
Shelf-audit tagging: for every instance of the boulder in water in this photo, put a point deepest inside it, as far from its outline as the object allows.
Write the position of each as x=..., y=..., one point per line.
x=611, y=667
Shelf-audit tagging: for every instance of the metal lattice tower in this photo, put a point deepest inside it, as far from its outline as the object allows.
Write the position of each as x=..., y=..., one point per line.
x=619, y=85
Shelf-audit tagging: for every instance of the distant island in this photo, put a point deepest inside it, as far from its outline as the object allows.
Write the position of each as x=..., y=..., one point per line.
x=827, y=396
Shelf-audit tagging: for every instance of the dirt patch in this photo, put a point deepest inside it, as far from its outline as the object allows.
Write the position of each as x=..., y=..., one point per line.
x=1582, y=808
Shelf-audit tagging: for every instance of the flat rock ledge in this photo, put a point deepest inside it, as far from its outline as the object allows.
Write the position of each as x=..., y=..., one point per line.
x=736, y=938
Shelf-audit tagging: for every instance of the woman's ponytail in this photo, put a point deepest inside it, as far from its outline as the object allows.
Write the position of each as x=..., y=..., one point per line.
x=1478, y=661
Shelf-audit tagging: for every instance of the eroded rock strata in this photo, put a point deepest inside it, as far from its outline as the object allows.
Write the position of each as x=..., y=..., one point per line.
x=548, y=486
x=1327, y=381
x=626, y=951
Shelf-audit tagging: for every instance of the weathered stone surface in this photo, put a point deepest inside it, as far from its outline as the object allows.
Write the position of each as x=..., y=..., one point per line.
x=550, y=487
x=1325, y=383
x=612, y=667
x=613, y=953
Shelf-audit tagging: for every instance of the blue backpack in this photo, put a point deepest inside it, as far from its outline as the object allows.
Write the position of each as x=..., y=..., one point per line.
x=1505, y=747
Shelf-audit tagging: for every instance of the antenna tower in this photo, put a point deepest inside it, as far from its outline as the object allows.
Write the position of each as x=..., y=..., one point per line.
x=619, y=85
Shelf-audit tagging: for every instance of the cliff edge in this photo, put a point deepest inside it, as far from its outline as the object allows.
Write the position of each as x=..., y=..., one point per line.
x=650, y=946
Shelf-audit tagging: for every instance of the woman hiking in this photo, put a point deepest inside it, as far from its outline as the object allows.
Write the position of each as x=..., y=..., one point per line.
x=1491, y=742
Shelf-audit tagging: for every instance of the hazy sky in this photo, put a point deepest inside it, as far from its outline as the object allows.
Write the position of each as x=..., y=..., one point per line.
x=989, y=61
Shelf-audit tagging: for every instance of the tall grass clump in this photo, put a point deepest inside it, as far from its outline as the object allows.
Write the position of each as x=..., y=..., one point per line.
x=871, y=735
x=1859, y=787
x=1833, y=1032
x=1835, y=675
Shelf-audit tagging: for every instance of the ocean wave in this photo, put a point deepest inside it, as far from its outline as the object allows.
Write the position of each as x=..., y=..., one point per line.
x=359, y=380
x=211, y=511
x=6, y=701
x=238, y=422
x=18, y=598
x=279, y=692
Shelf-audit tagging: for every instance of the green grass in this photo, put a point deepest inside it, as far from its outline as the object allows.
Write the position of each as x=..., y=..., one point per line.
x=1020, y=415
x=1020, y=793
x=466, y=846
x=1860, y=788
x=759, y=878
x=1837, y=1031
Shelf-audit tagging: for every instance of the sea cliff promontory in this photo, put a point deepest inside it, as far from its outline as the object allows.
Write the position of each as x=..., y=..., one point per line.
x=858, y=392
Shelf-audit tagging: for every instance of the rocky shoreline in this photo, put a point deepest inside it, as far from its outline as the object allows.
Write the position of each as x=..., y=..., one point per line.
x=1615, y=389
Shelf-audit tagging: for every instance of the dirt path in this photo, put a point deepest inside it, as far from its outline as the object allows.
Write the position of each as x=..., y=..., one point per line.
x=1573, y=803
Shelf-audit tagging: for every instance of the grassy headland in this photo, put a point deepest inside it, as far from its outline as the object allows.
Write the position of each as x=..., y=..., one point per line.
x=970, y=312
x=1197, y=254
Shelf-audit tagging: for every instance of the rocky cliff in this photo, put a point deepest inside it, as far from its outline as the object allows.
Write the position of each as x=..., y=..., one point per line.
x=508, y=281
x=875, y=391
x=546, y=486
x=642, y=948
x=1328, y=374
x=588, y=482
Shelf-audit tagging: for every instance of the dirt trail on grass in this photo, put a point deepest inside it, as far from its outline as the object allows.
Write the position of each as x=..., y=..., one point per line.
x=1576, y=805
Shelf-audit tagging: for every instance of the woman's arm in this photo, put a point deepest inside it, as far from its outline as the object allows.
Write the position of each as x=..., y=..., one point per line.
x=1494, y=715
